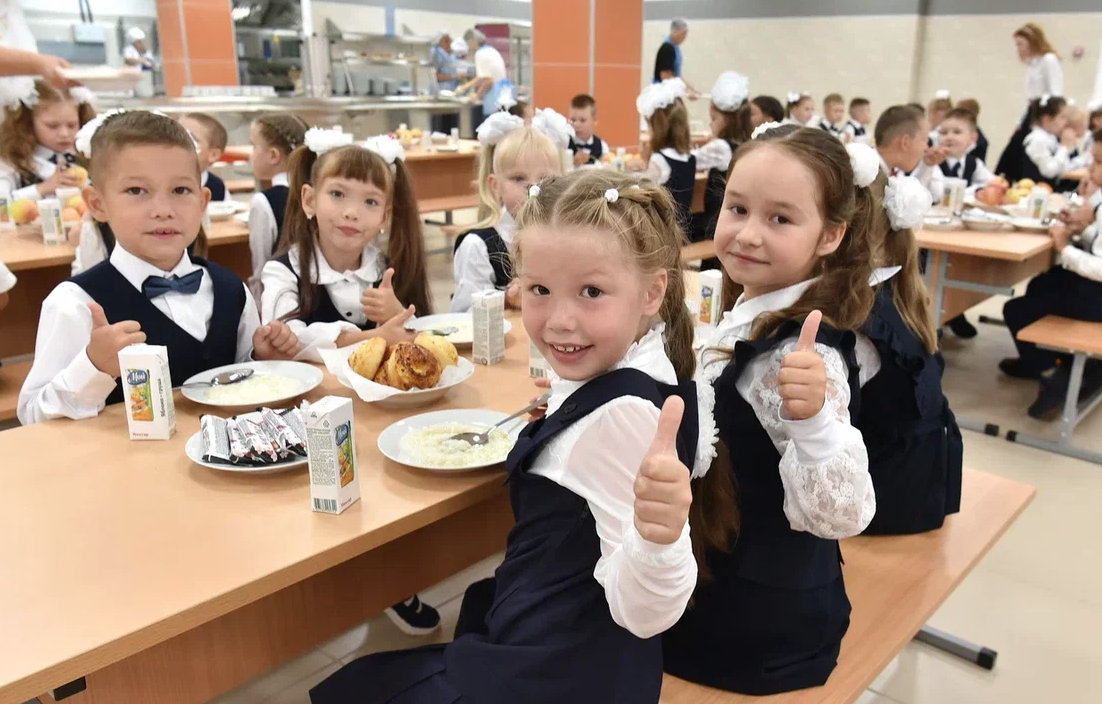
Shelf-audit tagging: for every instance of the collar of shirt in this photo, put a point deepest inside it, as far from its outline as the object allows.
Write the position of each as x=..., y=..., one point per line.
x=674, y=154
x=506, y=227
x=586, y=143
x=1096, y=198
x=203, y=178
x=889, y=170
x=368, y=272
x=882, y=274
x=280, y=180
x=44, y=153
x=951, y=161
x=648, y=355
x=136, y=270
x=1039, y=132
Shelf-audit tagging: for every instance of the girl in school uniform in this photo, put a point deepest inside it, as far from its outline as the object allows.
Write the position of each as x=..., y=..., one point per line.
x=588, y=581
x=513, y=158
x=794, y=236
x=765, y=108
x=332, y=283
x=799, y=110
x=1046, y=157
x=146, y=178
x=274, y=136
x=36, y=140
x=730, y=115
x=671, y=162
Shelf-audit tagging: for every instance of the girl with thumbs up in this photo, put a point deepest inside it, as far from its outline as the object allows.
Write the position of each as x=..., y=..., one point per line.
x=333, y=284
x=794, y=234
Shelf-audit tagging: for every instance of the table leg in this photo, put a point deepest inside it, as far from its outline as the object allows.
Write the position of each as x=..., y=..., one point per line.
x=978, y=654
x=1072, y=414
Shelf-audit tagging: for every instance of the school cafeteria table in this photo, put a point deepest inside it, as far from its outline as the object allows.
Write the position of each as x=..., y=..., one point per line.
x=41, y=267
x=158, y=580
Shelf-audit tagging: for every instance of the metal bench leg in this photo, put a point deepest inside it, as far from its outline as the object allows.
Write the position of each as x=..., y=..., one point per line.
x=992, y=321
x=1071, y=416
x=976, y=654
x=446, y=221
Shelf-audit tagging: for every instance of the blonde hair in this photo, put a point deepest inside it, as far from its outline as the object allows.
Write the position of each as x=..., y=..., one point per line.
x=644, y=219
x=519, y=146
x=669, y=128
x=17, y=140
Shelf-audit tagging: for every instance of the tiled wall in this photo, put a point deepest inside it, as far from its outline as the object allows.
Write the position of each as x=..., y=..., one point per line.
x=196, y=43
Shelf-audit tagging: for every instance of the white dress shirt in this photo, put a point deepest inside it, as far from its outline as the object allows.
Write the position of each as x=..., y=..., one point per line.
x=851, y=129
x=1086, y=259
x=589, y=143
x=824, y=465
x=1045, y=76
x=980, y=177
x=473, y=271
x=263, y=231
x=12, y=182
x=488, y=63
x=716, y=154
x=7, y=279
x=280, y=297
x=91, y=249
x=647, y=585
x=63, y=382
x=658, y=170
x=203, y=182
x=1082, y=158
x=1044, y=149
x=931, y=178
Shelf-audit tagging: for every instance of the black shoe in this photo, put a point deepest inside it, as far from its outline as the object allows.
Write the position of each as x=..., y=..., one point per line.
x=413, y=617
x=1013, y=366
x=1054, y=390
x=962, y=328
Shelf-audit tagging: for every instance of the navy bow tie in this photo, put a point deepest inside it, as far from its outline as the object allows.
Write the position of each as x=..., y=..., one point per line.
x=66, y=157
x=154, y=286
x=955, y=169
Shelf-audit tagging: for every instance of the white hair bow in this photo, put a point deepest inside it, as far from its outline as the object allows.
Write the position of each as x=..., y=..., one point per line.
x=907, y=202
x=941, y=94
x=1044, y=100
x=794, y=98
x=660, y=95
x=320, y=140
x=505, y=99
x=387, y=147
x=83, y=141
x=731, y=89
x=763, y=128
x=494, y=128
x=865, y=162
x=553, y=125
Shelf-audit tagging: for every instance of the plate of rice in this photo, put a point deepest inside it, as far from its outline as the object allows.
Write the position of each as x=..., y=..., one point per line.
x=271, y=382
x=423, y=441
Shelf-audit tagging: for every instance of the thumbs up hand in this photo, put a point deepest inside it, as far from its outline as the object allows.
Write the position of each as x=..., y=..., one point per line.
x=380, y=304
x=802, y=378
x=107, y=339
x=662, y=492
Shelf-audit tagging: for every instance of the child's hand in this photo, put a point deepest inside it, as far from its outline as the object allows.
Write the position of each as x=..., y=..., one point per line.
x=542, y=383
x=935, y=155
x=275, y=341
x=512, y=295
x=59, y=179
x=107, y=340
x=662, y=492
x=394, y=330
x=1061, y=235
x=380, y=304
x=73, y=235
x=1077, y=219
x=581, y=157
x=802, y=378
x=635, y=164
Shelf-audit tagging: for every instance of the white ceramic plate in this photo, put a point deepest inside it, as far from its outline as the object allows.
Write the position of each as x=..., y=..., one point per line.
x=221, y=210
x=390, y=440
x=420, y=397
x=982, y=225
x=104, y=78
x=941, y=224
x=242, y=217
x=194, y=451
x=464, y=337
x=307, y=375
x=1029, y=225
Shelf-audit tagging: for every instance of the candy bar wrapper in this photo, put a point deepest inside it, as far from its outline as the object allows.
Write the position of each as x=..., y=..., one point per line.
x=216, y=439
x=293, y=418
x=286, y=441
x=262, y=449
x=240, y=451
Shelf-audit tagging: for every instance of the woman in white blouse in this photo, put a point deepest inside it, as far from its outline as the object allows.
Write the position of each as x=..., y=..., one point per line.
x=1044, y=76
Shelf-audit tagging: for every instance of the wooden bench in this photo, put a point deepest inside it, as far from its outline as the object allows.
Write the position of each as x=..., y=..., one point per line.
x=1082, y=340
x=895, y=584
x=11, y=381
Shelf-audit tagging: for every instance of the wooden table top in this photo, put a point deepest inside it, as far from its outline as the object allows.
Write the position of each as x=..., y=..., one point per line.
x=467, y=149
x=1066, y=334
x=1010, y=246
x=23, y=248
x=126, y=544
x=895, y=585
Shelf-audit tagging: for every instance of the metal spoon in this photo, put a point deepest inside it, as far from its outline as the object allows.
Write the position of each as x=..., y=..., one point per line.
x=478, y=439
x=224, y=379
x=441, y=332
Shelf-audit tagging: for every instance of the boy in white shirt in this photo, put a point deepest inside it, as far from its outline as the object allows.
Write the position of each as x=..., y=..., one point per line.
x=901, y=134
x=587, y=147
x=956, y=134
x=857, y=127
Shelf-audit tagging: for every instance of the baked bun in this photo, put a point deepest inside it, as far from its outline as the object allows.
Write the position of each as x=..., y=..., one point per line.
x=445, y=351
x=368, y=357
x=380, y=376
x=412, y=366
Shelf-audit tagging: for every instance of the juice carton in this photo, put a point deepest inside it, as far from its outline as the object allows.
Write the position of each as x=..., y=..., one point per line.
x=53, y=229
x=488, y=312
x=711, y=296
x=147, y=390
x=6, y=222
x=331, y=449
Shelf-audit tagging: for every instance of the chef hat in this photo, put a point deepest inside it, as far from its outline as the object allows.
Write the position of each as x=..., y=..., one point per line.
x=135, y=34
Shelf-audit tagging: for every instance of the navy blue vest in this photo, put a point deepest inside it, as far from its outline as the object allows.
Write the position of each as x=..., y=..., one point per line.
x=717, y=184
x=596, y=149
x=500, y=259
x=277, y=198
x=218, y=192
x=186, y=355
x=965, y=168
x=914, y=444
x=1030, y=170
x=549, y=634
x=680, y=185
x=858, y=129
x=774, y=616
x=325, y=312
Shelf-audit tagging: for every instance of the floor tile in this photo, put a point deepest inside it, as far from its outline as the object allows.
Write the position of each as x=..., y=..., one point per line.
x=386, y=636
x=299, y=692
x=274, y=682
